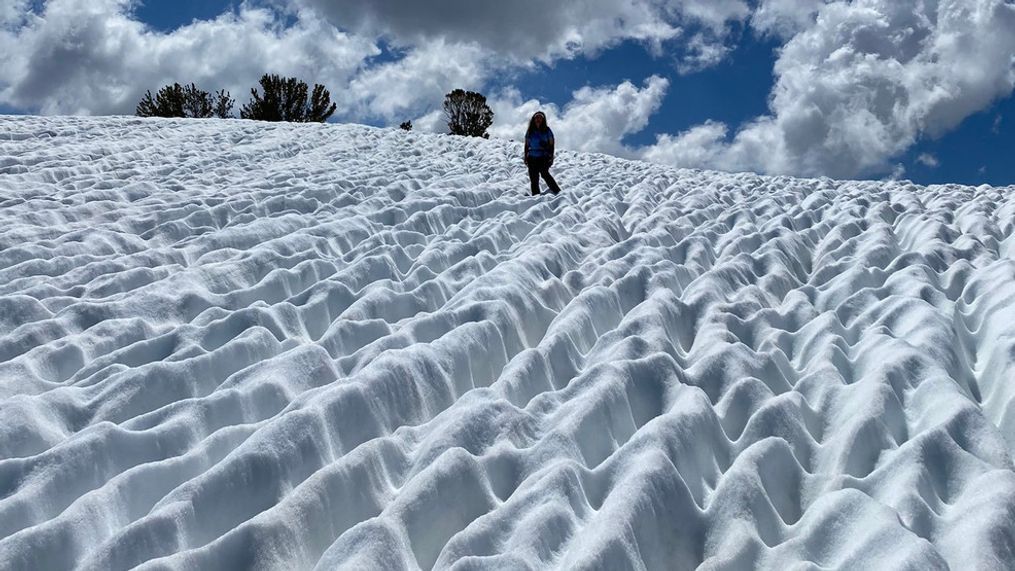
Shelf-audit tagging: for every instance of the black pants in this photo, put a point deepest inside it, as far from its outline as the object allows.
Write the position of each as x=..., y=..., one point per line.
x=541, y=167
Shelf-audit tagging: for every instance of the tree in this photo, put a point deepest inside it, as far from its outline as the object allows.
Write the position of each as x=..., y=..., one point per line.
x=285, y=99
x=406, y=126
x=224, y=105
x=467, y=113
x=185, y=101
x=196, y=103
x=147, y=107
x=168, y=102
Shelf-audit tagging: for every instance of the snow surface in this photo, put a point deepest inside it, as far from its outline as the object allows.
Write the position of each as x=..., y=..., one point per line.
x=227, y=344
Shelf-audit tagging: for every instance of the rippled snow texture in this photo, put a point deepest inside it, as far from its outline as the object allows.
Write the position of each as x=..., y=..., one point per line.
x=240, y=345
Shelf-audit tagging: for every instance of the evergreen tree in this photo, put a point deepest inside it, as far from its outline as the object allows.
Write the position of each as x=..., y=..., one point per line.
x=168, y=102
x=185, y=101
x=224, y=105
x=147, y=107
x=467, y=114
x=285, y=99
x=196, y=103
x=406, y=126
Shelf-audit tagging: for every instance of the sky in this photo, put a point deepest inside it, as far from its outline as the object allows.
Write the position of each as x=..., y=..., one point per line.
x=911, y=89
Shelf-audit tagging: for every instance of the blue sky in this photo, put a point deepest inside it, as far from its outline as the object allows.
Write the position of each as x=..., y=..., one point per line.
x=733, y=90
x=167, y=16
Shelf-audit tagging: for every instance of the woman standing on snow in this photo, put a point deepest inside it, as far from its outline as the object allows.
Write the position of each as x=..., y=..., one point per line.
x=539, y=153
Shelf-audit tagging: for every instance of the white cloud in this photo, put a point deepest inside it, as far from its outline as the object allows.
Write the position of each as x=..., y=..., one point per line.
x=693, y=148
x=92, y=57
x=12, y=12
x=702, y=51
x=785, y=18
x=596, y=119
x=713, y=14
x=928, y=160
x=710, y=44
x=862, y=83
x=419, y=80
x=524, y=30
x=432, y=122
x=75, y=57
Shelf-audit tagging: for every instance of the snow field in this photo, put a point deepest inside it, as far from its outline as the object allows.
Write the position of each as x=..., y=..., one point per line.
x=228, y=344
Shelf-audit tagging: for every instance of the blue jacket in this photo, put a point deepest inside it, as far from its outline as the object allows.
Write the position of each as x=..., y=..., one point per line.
x=539, y=144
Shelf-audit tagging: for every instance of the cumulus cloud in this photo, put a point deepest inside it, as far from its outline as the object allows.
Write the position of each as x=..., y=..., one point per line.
x=534, y=29
x=785, y=18
x=693, y=148
x=419, y=79
x=596, y=119
x=74, y=57
x=92, y=57
x=861, y=83
x=12, y=12
x=713, y=22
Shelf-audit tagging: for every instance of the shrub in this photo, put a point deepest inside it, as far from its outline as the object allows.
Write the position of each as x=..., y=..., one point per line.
x=406, y=126
x=467, y=113
x=285, y=99
x=185, y=101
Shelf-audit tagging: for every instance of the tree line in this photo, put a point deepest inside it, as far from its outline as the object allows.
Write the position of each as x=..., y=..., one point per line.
x=291, y=99
x=279, y=99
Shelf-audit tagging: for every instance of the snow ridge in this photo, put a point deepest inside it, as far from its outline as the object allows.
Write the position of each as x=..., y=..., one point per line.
x=228, y=344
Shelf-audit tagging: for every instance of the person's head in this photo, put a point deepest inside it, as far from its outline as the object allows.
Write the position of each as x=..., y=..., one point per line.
x=538, y=122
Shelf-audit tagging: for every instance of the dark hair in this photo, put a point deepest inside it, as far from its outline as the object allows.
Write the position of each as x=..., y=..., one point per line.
x=532, y=123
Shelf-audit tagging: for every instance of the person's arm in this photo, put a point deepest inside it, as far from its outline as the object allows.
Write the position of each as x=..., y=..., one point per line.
x=551, y=148
x=525, y=154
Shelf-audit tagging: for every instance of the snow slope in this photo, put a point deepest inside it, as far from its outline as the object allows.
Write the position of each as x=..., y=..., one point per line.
x=241, y=345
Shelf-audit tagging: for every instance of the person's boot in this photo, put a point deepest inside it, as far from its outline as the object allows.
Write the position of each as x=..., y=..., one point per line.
x=552, y=184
